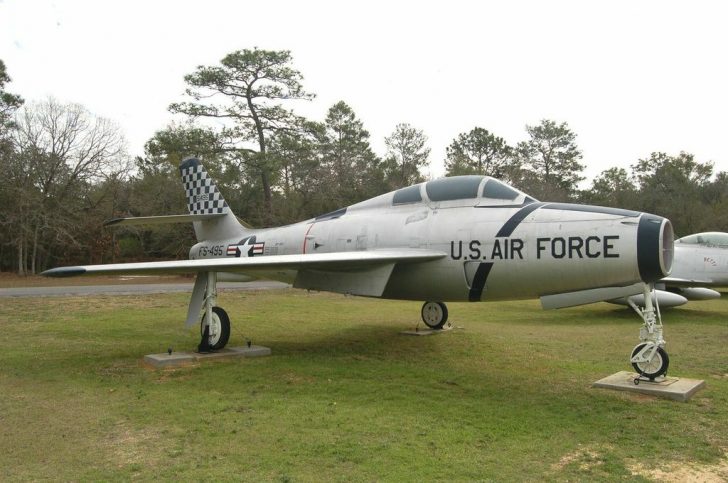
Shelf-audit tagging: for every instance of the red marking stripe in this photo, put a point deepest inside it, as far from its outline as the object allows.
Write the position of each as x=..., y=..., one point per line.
x=305, y=236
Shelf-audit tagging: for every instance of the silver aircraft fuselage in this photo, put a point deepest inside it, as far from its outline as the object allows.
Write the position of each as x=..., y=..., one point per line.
x=701, y=261
x=498, y=243
x=707, y=264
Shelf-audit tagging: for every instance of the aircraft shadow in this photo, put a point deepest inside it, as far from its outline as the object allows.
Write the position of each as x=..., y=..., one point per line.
x=368, y=340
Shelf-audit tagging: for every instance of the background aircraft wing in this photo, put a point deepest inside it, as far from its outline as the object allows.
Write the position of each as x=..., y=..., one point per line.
x=340, y=261
x=685, y=282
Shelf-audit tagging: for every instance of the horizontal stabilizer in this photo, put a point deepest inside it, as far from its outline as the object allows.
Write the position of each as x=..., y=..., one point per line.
x=341, y=261
x=583, y=297
x=161, y=220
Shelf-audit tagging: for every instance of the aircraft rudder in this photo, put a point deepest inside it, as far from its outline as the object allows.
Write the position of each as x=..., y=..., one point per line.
x=204, y=198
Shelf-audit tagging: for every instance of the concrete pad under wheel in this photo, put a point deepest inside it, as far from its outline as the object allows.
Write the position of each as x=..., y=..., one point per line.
x=177, y=359
x=675, y=388
x=427, y=331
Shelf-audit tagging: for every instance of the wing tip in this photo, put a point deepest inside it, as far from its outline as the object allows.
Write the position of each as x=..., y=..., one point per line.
x=61, y=272
x=113, y=221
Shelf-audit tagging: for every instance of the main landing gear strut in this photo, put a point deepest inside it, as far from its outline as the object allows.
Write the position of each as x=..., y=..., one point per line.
x=649, y=357
x=215, y=323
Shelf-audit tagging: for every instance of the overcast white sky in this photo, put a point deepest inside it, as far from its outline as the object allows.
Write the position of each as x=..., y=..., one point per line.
x=629, y=77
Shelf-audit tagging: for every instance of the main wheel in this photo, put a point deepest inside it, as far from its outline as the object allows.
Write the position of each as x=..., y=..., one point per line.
x=654, y=368
x=434, y=315
x=219, y=328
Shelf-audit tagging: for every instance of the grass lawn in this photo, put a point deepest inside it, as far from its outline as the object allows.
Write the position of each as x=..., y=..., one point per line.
x=345, y=397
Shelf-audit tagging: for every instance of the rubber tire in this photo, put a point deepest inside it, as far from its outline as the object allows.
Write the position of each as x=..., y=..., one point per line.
x=660, y=370
x=224, y=328
x=441, y=323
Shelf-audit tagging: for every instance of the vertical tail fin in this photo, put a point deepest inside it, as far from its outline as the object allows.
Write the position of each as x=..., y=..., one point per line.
x=203, y=198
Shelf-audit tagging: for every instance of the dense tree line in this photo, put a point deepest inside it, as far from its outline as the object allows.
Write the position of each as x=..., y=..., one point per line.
x=67, y=170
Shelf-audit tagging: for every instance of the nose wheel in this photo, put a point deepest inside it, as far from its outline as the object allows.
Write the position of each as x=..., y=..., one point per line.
x=434, y=315
x=649, y=360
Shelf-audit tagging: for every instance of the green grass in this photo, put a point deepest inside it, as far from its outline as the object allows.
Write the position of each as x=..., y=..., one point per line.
x=345, y=397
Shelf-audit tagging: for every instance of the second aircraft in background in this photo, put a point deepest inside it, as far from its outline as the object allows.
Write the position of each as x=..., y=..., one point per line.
x=700, y=261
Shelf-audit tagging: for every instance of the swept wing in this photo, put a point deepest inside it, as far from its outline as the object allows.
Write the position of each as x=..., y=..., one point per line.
x=341, y=261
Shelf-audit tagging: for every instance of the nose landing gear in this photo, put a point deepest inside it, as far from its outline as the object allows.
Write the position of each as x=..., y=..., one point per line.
x=649, y=357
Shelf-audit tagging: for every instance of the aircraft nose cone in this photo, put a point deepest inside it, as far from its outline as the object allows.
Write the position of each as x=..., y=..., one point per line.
x=655, y=248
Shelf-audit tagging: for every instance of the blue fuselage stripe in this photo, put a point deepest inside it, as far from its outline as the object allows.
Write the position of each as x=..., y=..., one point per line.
x=509, y=226
x=481, y=274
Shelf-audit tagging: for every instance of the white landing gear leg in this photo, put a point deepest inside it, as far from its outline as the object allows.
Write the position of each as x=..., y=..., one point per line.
x=215, y=323
x=649, y=357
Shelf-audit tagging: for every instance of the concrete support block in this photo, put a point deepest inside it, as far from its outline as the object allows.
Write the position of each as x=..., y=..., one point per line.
x=177, y=359
x=675, y=388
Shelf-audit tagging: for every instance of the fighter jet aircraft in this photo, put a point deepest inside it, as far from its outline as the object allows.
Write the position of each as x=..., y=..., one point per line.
x=700, y=261
x=464, y=238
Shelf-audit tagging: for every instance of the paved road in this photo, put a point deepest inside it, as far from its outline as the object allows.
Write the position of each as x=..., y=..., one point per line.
x=141, y=288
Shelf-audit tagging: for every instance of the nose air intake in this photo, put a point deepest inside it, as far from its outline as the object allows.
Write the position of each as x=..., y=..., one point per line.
x=654, y=247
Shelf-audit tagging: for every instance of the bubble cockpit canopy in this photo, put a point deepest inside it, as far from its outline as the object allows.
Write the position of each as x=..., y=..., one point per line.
x=482, y=188
x=711, y=239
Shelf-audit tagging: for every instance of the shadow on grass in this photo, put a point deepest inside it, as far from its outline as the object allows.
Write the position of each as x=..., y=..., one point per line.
x=365, y=340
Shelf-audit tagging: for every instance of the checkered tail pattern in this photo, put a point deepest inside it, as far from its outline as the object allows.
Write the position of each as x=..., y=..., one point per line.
x=202, y=194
